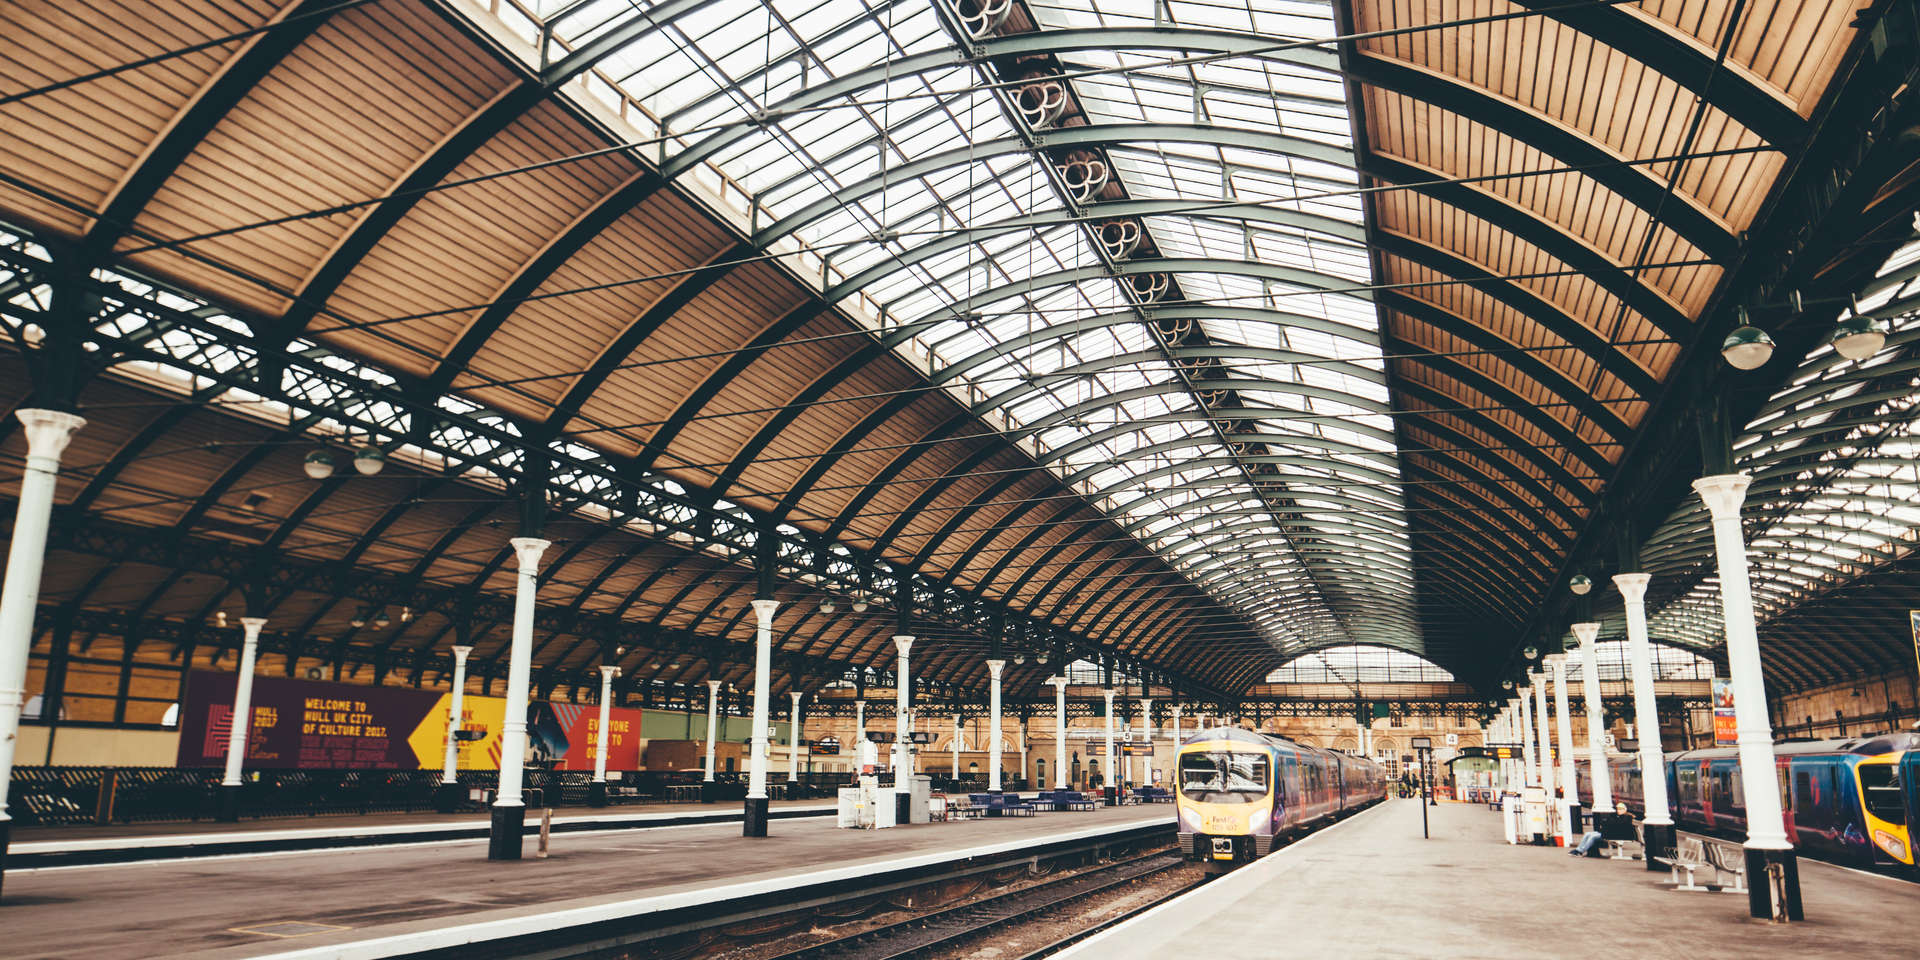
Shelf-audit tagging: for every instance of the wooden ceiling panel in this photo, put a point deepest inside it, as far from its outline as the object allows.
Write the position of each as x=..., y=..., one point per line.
x=935, y=464
x=342, y=120
x=898, y=436
x=81, y=142
x=1564, y=75
x=586, y=303
x=1790, y=46
x=744, y=405
x=793, y=452
x=457, y=249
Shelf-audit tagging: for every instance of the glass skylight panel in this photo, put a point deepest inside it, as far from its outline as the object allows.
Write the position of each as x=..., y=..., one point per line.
x=814, y=174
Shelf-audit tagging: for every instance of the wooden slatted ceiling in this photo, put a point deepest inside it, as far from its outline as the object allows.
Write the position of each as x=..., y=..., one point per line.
x=1789, y=46
x=81, y=142
x=342, y=119
x=1562, y=74
x=785, y=461
x=1501, y=369
x=571, y=329
x=839, y=485
x=513, y=218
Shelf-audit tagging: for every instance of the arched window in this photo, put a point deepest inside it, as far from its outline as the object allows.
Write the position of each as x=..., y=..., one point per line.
x=1358, y=664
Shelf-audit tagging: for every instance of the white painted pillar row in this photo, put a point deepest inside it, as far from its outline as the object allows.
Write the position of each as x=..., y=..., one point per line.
x=1646, y=710
x=796, y=728
x=902, y=714
x=242, y=726
x=513, y=728
x=1569, y=786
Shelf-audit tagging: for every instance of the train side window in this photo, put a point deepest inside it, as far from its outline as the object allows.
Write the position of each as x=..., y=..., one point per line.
x=1786, y=795
x=1880, y=791
x=1803, y=791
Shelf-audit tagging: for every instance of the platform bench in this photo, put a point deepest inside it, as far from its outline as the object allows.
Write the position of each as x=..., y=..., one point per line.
x=1689, y=857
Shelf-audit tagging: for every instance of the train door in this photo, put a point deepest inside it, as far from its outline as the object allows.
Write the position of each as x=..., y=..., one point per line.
x=1290, y=795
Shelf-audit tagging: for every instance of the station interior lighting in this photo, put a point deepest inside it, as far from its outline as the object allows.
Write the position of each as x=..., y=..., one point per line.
x=1748, y=347
x=1858, y=337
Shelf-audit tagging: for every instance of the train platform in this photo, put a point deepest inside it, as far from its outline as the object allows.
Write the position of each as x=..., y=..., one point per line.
x=1371, y=887
x=129, y=842
x=410, y=900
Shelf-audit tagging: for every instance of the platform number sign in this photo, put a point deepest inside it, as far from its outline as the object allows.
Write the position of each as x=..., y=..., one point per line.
x=1453, y=739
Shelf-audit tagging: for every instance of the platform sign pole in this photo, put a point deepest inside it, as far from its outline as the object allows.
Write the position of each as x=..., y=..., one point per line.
x=241, y=729
x=509, y=808
x=1525, y=719
x=1543, y=747
x=1112, y=786
x=1773, y=874
x=456, y=712
x=994, y=668
x=597, y=789
x=1059, y=732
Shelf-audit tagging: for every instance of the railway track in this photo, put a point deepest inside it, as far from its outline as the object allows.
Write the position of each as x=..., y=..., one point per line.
x=921, y=935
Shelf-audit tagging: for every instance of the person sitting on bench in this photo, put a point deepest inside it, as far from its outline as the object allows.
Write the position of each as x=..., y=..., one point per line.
x=1590, y=841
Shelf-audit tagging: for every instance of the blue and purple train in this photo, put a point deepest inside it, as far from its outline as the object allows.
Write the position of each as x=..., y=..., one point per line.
x=1850, y=801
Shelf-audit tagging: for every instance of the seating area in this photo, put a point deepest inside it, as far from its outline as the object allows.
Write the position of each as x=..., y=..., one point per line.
x=1062, y=800
x=1152, y=795
x=1694, y=853
x=1001, y=804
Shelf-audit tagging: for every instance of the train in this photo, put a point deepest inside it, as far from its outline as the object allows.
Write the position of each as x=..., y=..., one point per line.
x=1238, y=790
x=1851, y=801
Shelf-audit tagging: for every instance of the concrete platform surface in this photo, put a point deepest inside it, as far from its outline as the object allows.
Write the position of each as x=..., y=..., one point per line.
x=80, y=837
x=1371, y=887
x=245, y=906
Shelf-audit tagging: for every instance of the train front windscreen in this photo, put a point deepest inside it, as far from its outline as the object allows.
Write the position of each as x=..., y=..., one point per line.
x=1223, y=777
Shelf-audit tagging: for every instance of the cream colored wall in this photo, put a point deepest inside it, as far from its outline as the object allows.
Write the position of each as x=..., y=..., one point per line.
x=98, y=747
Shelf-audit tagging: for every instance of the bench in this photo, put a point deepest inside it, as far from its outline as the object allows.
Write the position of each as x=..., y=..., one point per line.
x=1619, y=836
x=1693, y=854
x=963, y=808
x=1068, y=800
x=1728, y=858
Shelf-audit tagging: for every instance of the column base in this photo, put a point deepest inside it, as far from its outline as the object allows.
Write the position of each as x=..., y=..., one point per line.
x=902, y=806
x=1773, y=885
x=708, y=791
x=597, y=793
x=1659, y=842
x=1576, y=824
x=227, y=810
x=754, y=823
x=6, y=837
x=503, y=837
x=1111, y=795
x=446, y=798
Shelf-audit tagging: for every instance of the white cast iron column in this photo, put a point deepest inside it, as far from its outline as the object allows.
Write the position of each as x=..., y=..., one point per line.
x=456, y=712
x=1106, y=758
x=1059, y=732
x=1543, y=746
x=713, y=717
x=1569, y=785
x=607, y=673
x=1596, y=717
x=48, y=432
x=903, y=705
x=1657, y=821
x=1768, y=849
x=755, y=824
x=242, y=726
x=1530, y=771
x=956, y=746
x=795, y=725
x=509, y=807
x=1146, y=741
x=994, y=667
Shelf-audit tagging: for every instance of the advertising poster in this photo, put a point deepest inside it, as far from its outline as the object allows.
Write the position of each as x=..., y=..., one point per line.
x=1723, y=725
x=318, y=725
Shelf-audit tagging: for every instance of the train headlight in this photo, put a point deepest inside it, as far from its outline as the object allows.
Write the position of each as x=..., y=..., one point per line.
x=1894, y=846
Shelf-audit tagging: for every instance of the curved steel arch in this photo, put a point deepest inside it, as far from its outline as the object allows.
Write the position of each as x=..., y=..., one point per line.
x=1106, y=210
x=1226, y=461
x=1100, y=135
x=1447, y=405
x=1078, y=371
x=1522, y=300
x=1360, y=523
x=1174, y=311
x=1334, y=531
x=1548, y=499
x=1080, y=410
x=1376, y=458
x=1500, y=350
x=1257, y=414
x=1546, y=423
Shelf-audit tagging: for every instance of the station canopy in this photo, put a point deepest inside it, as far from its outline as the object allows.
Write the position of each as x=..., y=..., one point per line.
x=1179, y=334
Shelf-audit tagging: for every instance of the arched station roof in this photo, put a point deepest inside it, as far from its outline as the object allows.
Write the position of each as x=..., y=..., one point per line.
x=1181, y=331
